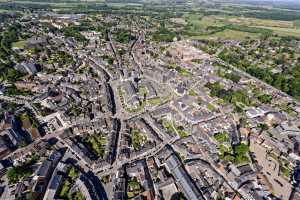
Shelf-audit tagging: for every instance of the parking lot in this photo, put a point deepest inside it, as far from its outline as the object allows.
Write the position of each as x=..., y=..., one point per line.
x=281, y=186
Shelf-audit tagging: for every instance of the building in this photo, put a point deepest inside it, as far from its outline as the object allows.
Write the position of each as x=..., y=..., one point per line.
x=26, y=68
x=55, y=181
x=4, y=150
x=14, y=137
x=43, y=174
x=183, y=180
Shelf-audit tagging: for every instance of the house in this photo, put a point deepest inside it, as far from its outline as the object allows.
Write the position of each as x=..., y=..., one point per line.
x=43, y=174
x=55, y=181
x=3, y=170
x=119, y=188
x=44, y=170
x=4, y=150
x=131, y=98
x=53, y=187
x=2, y=89
x=13, y=135
x=140, y=171
x=183, y=180
x=26, y=68
x=181, y=89
x=254, y=112
x=36, y=42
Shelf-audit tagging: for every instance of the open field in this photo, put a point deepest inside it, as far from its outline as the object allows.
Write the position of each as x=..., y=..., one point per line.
x=297, y=24
x=178, y=21
x=56, y=4
x=198, y=20
x=4, y=11
x=219, y=20
x=259, y=22
x=284, y=31
x=206, y=27
x=229, y=35
x=123, y=4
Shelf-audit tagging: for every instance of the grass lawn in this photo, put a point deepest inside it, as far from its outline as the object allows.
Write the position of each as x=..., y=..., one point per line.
x=180, y=70
x=65, y=189
x=168, y=125
x=134, y=186
x=241, y=154
x=182, y=133
x=138, y=139
x=143, y=91
x=193, y=92
x=225, y=149
x=24, y=117
x=130, y=195
x=285, y=171
x=96, y=143
x=274, y=156
x=221, y=102
x=210, y=107
x=20, y=44
x=73, y=174
x=222, y=137
x=184, y=72
x=154, y=101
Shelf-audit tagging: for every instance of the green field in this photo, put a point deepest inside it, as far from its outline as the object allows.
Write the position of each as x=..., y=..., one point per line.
x=284, y=31
x=297, y=24
x=257, y=22
x=198, y=26
x=19, y=44
x=58, y=2
x=4, y=11
x=228, y=35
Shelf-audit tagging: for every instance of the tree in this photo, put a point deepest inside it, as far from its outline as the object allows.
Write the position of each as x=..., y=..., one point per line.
x=232, y=76
x=265, y=98
x=241, y=149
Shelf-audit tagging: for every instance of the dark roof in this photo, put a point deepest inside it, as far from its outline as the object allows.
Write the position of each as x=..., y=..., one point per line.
x=44, y=168
x=182, y=178
x=55, y=182
x=245, y=169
